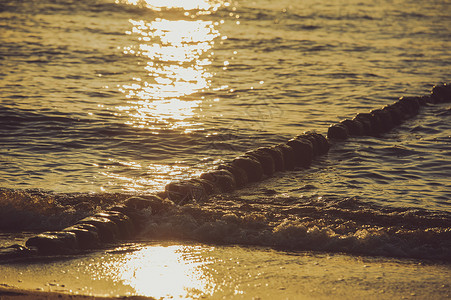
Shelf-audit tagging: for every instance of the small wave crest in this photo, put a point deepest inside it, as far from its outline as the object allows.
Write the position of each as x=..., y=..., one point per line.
x=41, y=210
x=335, y=225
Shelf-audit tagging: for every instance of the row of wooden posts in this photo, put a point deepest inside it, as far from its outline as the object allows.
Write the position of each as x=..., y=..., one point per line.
x=125, y=220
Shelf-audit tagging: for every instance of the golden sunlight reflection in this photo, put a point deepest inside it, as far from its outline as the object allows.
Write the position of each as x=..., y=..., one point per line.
x=173, y=55
x=177, y=53
x=157, y=175
x=158, y=271
x=168, y=4
x=156, y=114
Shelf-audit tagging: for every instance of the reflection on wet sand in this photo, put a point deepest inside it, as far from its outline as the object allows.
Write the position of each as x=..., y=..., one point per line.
x=174, y=271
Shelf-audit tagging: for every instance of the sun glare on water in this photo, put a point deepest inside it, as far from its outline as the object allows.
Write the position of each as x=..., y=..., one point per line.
x=177, y=55
x=173, y=52
x=176, y=61
x=180, y=4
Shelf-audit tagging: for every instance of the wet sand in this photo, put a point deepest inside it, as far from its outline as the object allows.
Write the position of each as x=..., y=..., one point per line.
x=7, y=293
x=198, y=271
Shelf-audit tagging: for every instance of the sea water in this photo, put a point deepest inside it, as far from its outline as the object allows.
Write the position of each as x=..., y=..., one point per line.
x=102, y=100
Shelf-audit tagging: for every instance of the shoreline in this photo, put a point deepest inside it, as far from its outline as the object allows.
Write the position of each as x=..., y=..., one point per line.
x=194, y=271
x=10, y=292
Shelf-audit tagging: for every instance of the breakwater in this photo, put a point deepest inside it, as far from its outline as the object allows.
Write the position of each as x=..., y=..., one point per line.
x=124, y=221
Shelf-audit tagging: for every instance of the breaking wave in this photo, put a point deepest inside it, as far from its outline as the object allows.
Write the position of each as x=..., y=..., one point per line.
x=332, y=224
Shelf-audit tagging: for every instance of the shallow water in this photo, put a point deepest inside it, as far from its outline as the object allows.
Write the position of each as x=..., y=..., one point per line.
x=102, y=100
x=102, y=96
